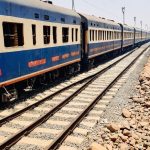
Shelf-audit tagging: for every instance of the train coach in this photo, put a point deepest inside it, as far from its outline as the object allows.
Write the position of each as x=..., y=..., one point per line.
x=127, y=36
x=36, y=38
x=144, y=36
x=137, y=36
x=99, y=36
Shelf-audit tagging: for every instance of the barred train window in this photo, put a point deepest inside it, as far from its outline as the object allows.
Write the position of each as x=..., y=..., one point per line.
x=13, y=34
x=55, y=35
x=46, y=34
x=34, y=34
x=65, y=35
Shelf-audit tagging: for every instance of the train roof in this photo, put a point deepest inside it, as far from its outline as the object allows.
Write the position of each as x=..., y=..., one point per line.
x=138, y=29
x=30, y=8
x=100, y=22
x=128, y=28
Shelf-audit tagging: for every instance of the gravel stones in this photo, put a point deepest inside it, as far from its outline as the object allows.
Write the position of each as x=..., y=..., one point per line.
x=124, y=146
x=113, y=127
x=126, y=113
x=134, y=131
x=96, y=146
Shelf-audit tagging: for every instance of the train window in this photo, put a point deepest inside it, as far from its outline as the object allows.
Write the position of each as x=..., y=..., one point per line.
x=96, y=35
x=107, y=35
x=36, y=15
x=62, y=19
x=46, y=17
x=74, y=21
x=76, y=34
x=46, y=34
x=55, y=35
x=13, y=34
x=90, y=35
x=93, y=34
x=103, y=35
x=112, y=36
x=34, y=34
x=72, y=34
x=65, y=35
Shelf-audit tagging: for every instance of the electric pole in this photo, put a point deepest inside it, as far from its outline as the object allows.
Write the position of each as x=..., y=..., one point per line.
x=141, y=24
x=73, y=6
x=146, y=27
x=123, y=11
x=134, y=21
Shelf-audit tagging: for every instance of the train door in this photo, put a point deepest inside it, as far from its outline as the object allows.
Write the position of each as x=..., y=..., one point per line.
x=84, y=41
x=134, y=37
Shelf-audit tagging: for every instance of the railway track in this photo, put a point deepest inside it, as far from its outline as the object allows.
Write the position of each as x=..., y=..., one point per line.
x=85, y=94
x=48, y=95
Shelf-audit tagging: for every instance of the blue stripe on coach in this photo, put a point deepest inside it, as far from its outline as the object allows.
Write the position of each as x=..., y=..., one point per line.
x=15, y=64
x=98, y=48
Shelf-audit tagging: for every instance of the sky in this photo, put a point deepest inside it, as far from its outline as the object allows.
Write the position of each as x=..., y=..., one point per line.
x=111, y=9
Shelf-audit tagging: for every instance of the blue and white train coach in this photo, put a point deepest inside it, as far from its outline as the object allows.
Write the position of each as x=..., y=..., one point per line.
x=36, y=38
x=128, y=36
x=102, y=36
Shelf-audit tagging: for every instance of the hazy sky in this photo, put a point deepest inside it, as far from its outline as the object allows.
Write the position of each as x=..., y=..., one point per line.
x=111, y=9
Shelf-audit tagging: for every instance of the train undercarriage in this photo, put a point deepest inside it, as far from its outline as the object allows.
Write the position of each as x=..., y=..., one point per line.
x=13, y=92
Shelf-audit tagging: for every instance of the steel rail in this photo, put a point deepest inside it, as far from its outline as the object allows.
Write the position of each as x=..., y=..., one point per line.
x=36, y=104
x=58, y=141
x=15, y=138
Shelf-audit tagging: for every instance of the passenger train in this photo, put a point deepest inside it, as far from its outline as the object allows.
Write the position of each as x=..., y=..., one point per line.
x=41, y=41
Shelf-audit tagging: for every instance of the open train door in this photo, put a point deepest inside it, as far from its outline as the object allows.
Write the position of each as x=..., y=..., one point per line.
x=84, y=44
